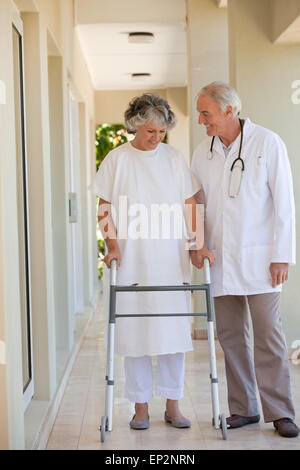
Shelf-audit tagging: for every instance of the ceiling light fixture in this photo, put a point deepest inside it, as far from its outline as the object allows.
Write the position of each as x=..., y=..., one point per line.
x=139, y=37
x=140, y=76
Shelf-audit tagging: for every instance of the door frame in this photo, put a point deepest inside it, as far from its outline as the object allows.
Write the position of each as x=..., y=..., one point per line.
x=17, y=24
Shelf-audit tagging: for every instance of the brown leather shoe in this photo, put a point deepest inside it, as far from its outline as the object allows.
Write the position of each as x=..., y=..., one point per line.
x=286, y=427
x=237, y=421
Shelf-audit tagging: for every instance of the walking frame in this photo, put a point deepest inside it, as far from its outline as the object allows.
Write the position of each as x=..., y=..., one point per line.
x=218, y=420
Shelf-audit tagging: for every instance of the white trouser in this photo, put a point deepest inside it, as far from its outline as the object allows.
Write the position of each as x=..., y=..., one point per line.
x=139, y=377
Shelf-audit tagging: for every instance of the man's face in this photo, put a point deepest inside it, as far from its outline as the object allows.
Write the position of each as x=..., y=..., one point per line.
x=211, y=116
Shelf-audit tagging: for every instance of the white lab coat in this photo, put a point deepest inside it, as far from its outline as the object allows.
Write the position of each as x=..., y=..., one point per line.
x=257, y=227
x=147, y=178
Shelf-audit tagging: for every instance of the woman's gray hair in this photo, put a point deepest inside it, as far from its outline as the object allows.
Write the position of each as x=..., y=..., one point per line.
x=148, y=107
x=224, y=95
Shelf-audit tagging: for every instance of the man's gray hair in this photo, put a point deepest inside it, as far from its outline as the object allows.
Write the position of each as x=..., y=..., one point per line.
x=148, y=107
x=224, y=95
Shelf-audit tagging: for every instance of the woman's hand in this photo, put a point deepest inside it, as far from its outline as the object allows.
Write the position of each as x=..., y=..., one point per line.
x=109, y=233
x=197, y=257
x=114, y=253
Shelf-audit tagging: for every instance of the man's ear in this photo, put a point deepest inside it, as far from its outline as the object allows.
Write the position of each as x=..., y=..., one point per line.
x=228, y=111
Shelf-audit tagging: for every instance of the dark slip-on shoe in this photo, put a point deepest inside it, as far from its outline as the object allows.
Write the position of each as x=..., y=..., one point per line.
x=286, y=427
x=237, y=421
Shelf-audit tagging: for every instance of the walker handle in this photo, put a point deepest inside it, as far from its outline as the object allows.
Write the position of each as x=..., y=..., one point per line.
x=206, y=271
x=113, y=272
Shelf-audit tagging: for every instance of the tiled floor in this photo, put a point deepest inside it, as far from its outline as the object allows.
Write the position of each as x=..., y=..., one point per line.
x=78, y=419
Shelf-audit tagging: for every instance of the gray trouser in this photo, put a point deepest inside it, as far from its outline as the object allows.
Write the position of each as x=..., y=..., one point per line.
x=268, y=367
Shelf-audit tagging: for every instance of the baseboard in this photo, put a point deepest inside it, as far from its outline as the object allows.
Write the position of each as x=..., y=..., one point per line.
x=47, y=425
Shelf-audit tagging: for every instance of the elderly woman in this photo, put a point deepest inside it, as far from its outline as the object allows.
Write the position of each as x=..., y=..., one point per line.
x=137, y=181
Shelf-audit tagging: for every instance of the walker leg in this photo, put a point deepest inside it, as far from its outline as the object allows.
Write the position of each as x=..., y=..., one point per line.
x=110, y=377
x=108, y=399
x=107, y=370
x=219, y=421
x=109, y=389
x=213, y=375
x=107, y=420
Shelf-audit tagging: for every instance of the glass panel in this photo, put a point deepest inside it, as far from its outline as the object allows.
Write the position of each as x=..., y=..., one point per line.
x=22, y=208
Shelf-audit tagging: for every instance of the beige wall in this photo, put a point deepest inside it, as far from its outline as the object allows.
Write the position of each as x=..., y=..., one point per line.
x=207, y=47
x=179, y=136
x=53, y=62
x=111, y=105
x=102, y=11
x=59, y=20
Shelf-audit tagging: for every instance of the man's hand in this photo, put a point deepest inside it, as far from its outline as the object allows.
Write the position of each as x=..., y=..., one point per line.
x=197, y=257
x=279, y=273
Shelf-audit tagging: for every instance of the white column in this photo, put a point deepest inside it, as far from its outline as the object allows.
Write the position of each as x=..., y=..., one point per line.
x=40, y=205
x=11, y=383
x=207, y=50
x=60, y=224
x=207, y=61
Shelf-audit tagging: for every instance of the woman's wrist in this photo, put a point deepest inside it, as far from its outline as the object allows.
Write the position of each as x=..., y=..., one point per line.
x=112, y=245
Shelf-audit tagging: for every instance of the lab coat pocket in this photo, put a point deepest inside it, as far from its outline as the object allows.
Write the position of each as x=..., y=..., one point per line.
x=256, y=262
x=258, y=173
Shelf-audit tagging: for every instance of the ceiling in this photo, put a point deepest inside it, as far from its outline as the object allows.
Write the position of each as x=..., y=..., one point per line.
x=291, y=35
x=111, y=59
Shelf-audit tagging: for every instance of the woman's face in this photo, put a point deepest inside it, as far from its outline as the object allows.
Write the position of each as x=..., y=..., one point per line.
x=149, y=135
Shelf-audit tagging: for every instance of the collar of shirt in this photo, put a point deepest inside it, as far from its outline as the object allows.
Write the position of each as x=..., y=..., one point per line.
x=227, y=149
x=221, y=149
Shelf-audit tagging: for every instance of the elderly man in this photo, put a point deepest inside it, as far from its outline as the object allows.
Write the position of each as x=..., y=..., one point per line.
x=245, y=176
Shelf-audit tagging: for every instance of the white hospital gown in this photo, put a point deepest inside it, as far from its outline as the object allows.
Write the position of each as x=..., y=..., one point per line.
x=136, y=183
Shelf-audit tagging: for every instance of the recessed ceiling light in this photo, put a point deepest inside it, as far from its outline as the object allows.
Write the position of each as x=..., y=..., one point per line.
x=139, y=37
x=140, y=76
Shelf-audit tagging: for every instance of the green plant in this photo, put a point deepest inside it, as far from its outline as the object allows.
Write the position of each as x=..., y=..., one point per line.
x=101, y=254
x=108, y=137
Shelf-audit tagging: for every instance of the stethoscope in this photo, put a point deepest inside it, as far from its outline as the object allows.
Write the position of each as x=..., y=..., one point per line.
x=234, y=164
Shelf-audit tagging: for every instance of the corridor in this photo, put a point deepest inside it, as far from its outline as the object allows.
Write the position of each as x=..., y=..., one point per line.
x=77, y=422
